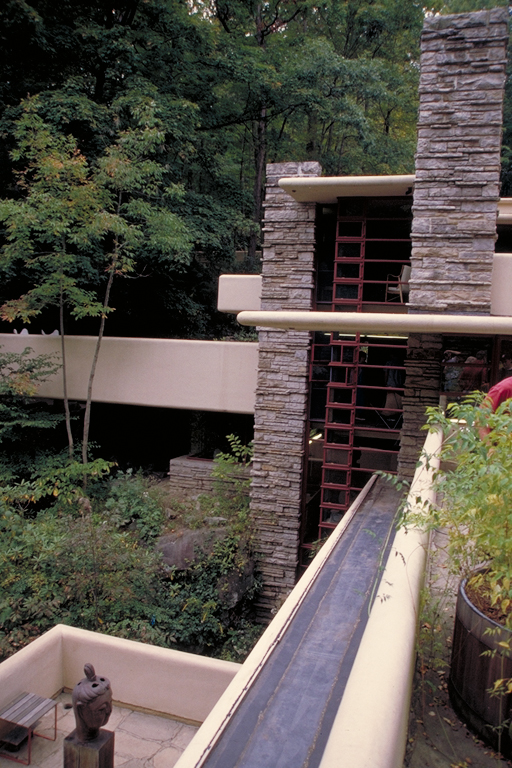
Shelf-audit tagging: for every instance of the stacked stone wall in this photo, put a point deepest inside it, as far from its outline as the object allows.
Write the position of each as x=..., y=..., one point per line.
x=190, y=477
x=463, y=59
x=282, y=389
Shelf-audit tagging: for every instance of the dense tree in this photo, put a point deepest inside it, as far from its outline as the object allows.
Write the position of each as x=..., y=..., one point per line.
x=238, y=83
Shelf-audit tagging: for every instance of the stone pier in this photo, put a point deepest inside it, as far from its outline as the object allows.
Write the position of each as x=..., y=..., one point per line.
x=463, y=60
x=282, y=389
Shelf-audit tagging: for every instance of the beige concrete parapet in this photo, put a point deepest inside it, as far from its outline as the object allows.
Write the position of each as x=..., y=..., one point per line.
x=238, y=292
x=166, y=373
x=370, y=728
x=184, y=686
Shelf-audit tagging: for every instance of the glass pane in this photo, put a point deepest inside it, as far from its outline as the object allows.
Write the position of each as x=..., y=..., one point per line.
x=321, y=354
x=333, y=515
x=347, y=270
x=335, y=476
x=320, y=373
x=340, y=395
x=388, y=252
x=351, y=206
x=341, y=375
x=336, y=456
x=389, y=207
x=333, y=496
x=338, y=436
x=390, y=230
x=350, y=228
x=339, y=416
x=347, y=292
x=349, y=250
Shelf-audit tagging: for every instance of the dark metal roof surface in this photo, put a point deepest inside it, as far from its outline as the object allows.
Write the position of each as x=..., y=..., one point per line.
x=285, y=718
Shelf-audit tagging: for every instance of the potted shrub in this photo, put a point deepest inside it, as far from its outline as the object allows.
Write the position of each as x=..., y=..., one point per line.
x=474, y=507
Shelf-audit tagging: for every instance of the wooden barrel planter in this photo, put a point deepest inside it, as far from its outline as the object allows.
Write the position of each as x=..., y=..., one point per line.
x=473, y=673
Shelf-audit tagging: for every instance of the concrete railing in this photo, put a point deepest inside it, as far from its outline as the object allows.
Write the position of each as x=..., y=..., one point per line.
x=181, y=685
x=166, y=373
x=370, y=728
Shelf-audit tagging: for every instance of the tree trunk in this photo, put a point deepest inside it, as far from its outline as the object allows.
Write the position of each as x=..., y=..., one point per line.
x=64, y=377
x=87, y=417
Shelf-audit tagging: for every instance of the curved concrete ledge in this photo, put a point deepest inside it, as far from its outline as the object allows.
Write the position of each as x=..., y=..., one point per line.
x=370, y=729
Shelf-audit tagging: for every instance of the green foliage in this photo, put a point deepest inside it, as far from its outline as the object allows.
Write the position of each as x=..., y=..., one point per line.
x=240, y=641
x=20, y=375
x=89, y=562
x=60, y=568
x=232, y=483
x=474, y=495
x=134, y=499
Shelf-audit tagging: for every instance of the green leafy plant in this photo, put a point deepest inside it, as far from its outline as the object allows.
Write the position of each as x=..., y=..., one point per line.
x=474, y=492
x=232, y=483
x=134, y=499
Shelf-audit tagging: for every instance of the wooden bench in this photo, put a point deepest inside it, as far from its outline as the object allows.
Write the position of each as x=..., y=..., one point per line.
x=19, y=719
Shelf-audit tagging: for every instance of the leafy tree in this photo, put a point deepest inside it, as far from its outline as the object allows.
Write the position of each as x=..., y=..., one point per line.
x=72, y=221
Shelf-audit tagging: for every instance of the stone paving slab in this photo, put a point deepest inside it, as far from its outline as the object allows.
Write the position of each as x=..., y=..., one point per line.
x=142, y=740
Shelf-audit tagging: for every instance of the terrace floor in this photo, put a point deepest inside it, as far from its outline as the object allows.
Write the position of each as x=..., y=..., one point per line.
x=142, y=740
x=437, y=738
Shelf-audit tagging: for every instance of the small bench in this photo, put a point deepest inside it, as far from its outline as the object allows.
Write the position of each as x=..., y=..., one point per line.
x=18, y=721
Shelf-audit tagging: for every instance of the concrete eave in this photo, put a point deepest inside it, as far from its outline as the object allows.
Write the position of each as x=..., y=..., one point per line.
x=327, y=189
x=358, y=322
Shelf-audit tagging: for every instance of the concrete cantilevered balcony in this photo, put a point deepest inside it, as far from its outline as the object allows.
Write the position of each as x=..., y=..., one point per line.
x=167, y=373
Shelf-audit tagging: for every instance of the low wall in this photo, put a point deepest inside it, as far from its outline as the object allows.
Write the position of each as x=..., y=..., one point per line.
x=184, y=686
x=189, y=477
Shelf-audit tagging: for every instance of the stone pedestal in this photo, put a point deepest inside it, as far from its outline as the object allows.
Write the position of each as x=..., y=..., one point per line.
x=93, y=754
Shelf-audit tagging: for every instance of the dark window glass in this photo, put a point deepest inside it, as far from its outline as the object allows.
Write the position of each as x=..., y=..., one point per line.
x=351, y=206
x=349, y=250
x=347, y=291
x=335, y=477
x=341, y=395
x=350, y=229
x=389, y=207
x=388, y=252
x=335, y=456
x=345, y=270
x=339, y=416
x=389, y=230
x=338, y=436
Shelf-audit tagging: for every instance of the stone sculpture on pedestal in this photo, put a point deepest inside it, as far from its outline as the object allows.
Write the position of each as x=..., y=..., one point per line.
x=88, y=746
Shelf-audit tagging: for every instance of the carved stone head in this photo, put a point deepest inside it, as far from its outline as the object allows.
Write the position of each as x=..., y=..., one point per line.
x=92, y=704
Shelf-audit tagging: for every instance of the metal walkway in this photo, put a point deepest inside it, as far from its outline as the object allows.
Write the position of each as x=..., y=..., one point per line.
x=285, y=718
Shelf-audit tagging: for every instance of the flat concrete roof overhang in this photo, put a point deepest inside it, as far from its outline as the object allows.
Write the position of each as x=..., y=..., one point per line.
x=358, y=322
x=327, y=189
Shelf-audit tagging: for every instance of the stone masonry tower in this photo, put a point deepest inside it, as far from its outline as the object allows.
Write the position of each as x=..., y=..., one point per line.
x=463, y=60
